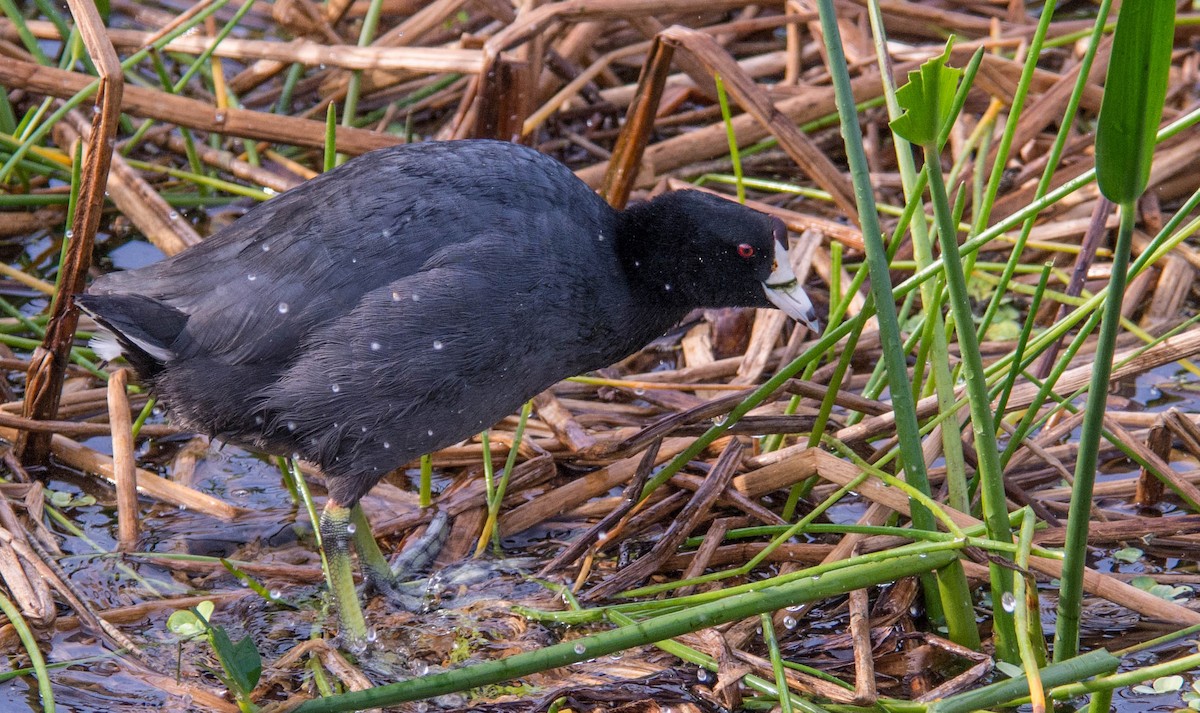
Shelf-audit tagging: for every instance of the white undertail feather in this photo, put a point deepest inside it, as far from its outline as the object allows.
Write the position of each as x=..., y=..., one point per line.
x=108, y=347
x=105, y=344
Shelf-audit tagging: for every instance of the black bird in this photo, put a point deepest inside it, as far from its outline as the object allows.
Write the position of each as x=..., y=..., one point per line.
x=413, y=297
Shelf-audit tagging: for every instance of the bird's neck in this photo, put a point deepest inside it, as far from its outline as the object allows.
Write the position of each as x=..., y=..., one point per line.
x=650, y=256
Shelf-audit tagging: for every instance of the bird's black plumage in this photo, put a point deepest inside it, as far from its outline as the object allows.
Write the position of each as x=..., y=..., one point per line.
x=416, y=295
x=413, y=297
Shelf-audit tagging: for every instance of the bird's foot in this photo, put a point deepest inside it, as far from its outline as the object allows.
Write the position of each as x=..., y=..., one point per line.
x=420, y=555
x=394, y=581
x=412, y=596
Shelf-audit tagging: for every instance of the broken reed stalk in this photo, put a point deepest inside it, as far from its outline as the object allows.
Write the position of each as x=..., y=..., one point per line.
x=124, y=467
x=49, y=363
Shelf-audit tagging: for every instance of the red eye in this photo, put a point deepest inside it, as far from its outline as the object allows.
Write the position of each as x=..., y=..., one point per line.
x=746, y=250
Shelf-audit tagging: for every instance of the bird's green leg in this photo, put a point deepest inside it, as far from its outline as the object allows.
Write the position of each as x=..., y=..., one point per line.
x=385, y=578
x=335, y=552
x=374, y=565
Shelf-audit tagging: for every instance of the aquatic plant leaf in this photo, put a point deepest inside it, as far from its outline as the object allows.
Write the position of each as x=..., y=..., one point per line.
x=188, y=623
x=927, y=100
x=1134, y=91
x=241, y=661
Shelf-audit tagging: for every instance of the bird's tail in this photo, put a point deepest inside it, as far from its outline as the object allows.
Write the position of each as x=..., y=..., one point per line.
x=140, y=328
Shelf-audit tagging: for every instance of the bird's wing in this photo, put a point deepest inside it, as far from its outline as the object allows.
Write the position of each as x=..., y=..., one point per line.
x=261, y=285
x=415, y=374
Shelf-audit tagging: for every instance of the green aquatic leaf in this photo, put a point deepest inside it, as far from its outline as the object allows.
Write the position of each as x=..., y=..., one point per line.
x=241, y=661
x=1134, y=91
x=1128, y=555
x=927, y=100
x=1168, y=684
x=188, y=623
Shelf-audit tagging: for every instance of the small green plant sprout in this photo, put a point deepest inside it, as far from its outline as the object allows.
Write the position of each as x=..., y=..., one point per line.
x=190, y=623
x=240, y=662
x=928, y=100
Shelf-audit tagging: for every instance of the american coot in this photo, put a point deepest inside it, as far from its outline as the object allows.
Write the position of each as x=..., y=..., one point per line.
x=412, y=298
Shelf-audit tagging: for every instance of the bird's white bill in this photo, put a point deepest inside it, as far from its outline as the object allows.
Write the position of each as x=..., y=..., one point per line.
x=784, y=291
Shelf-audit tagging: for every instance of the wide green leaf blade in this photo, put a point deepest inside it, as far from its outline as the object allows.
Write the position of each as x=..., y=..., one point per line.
x=241, y=661
x=1133, y=97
